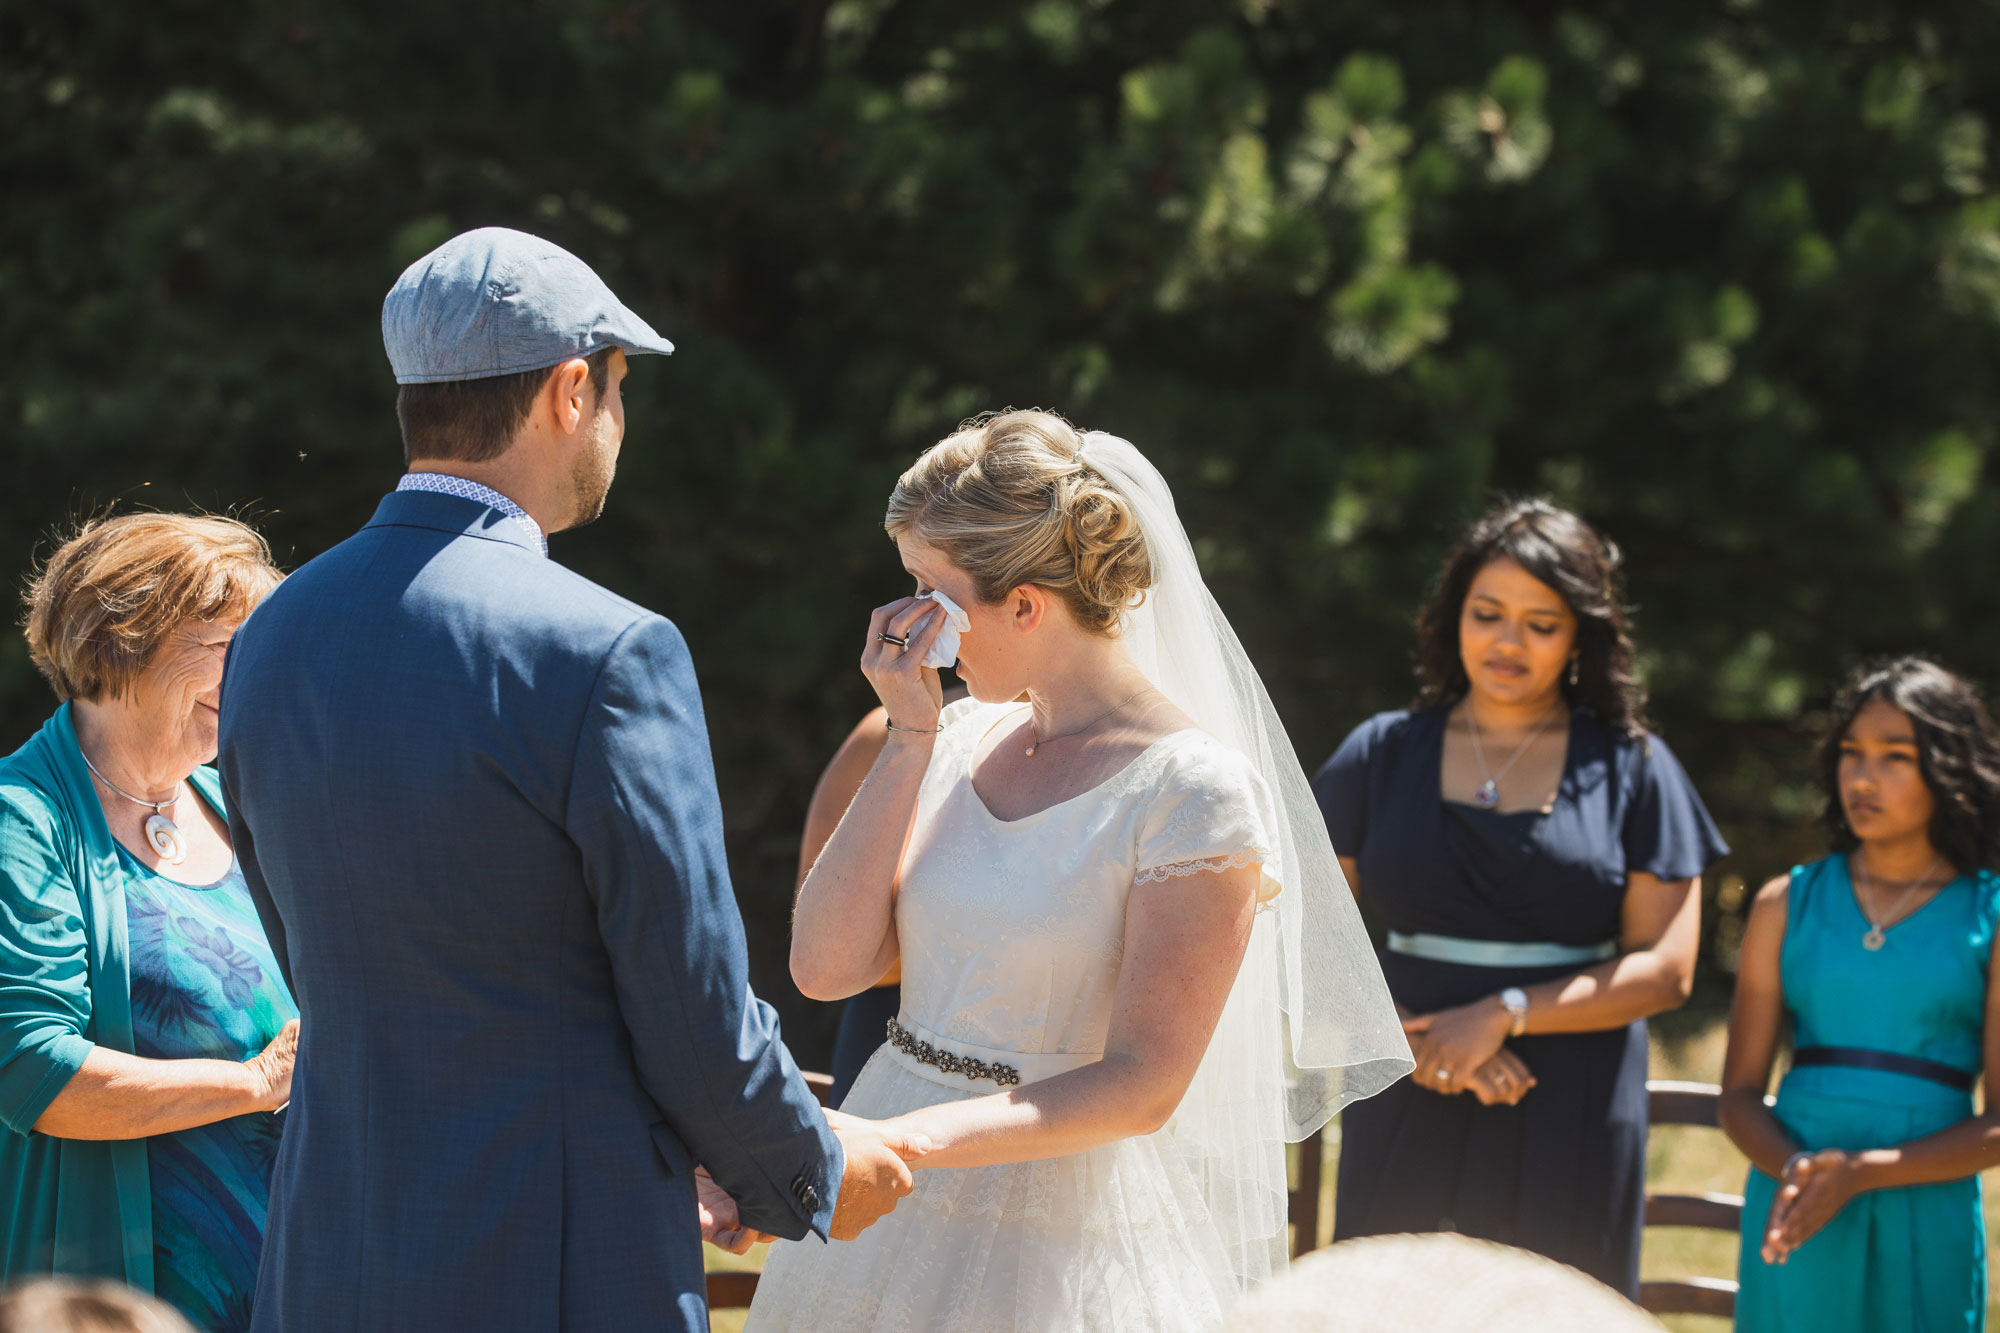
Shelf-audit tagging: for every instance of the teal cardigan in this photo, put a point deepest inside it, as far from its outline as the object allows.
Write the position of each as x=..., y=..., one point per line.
x=78, y=1206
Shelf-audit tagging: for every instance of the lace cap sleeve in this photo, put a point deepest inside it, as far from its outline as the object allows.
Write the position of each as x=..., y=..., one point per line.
x=1210, y=813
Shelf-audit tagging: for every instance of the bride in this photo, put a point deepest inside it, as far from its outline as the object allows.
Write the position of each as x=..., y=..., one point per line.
x=1131, y=970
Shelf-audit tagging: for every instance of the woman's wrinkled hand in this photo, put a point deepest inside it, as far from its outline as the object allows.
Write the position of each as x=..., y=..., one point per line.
x=721, y=1221
x=1815, y=1188
x=1453, y=1044
x=1502, y=1081
x=909, y=690
x=272, y=1067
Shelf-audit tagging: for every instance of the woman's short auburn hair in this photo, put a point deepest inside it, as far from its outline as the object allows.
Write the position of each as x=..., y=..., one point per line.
x=107, y=599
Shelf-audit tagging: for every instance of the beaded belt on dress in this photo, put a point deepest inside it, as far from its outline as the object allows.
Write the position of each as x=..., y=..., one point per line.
x=960, y=1064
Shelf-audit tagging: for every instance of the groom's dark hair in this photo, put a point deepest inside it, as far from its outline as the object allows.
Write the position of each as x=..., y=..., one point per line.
x=471, y=421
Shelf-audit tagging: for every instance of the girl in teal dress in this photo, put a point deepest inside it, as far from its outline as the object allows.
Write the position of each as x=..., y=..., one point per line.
x=1862, y=1209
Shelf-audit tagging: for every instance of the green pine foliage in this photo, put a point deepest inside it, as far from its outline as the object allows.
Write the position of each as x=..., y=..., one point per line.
x=1726, y=277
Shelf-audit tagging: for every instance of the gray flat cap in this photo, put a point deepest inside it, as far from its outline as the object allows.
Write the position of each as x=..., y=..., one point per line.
x=500, y=302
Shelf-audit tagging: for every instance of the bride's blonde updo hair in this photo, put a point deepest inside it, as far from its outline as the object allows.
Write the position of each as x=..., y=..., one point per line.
x=1007, y=501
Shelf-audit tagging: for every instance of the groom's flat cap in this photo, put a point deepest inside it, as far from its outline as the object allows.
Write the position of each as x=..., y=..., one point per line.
x=501, y=302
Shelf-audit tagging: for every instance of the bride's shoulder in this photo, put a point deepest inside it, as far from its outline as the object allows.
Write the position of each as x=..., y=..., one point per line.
x=1190, y=764
x=1206, y=809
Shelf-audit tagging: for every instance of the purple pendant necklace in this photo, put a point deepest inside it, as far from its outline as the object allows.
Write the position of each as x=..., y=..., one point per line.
x=1488, y=795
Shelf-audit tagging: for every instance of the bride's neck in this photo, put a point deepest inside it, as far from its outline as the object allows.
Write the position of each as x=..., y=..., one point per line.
x=1081, y=683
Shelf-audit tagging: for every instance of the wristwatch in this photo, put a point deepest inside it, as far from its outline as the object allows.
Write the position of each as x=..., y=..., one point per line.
x=1515, y=1001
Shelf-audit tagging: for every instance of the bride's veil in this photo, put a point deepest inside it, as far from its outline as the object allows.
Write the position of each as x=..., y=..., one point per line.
x=1309, y=1025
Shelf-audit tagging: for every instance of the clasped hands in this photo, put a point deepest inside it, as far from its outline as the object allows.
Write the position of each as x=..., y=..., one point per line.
x=1464, y=1050
x=876, y=1175
x=1814, y=1187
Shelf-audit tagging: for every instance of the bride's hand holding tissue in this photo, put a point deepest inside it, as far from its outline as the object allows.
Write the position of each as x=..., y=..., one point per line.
x=900, y=636
x=843, y=927
x=842, y=923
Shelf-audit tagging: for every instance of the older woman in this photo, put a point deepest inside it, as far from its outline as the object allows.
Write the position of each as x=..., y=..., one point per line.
x=146, y=1035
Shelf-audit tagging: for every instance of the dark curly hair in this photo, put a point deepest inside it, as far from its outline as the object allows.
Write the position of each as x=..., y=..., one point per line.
x=1958, y=754
x=1568, y=555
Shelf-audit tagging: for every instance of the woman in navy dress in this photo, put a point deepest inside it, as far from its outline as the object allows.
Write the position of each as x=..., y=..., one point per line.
x=1535, y=855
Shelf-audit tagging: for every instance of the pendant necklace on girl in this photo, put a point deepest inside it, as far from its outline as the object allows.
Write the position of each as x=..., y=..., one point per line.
x=162, y=834
x=1878, y=927
x=1488, y=795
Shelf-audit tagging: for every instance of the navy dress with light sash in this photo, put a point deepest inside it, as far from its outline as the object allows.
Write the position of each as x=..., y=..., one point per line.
x=1562, y=1173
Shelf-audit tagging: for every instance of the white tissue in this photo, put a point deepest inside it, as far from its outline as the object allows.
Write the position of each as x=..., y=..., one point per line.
x=944, y=648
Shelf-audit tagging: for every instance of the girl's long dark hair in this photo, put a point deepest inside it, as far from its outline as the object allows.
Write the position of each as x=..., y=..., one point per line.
x=1568, y=555
x=1958, y=754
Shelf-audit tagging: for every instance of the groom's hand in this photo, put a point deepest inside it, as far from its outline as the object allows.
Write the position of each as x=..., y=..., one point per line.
x=877, y=1174
x=721, y=1224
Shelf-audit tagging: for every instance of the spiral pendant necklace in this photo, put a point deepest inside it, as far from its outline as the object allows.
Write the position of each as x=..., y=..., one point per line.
x=162, y=834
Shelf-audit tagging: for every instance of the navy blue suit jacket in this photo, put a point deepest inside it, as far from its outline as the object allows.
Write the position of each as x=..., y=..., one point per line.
x=472, y=794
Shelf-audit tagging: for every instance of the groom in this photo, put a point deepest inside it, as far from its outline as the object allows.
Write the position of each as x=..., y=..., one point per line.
x=471, y=792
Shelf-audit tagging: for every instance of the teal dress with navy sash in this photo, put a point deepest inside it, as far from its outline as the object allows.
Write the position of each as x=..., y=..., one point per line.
x=1910, y=1259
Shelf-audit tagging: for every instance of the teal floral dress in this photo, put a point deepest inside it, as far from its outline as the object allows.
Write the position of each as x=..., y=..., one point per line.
x=1911, y=1260
x=205, y=985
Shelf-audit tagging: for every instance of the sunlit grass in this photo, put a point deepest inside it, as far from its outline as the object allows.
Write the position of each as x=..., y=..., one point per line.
x=1682, y=1160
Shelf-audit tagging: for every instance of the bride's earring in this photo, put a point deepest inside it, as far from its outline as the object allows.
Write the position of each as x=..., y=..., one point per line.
x=1573, y=672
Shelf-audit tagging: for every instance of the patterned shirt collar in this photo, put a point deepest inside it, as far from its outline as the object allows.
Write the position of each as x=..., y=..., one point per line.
x=441, y=484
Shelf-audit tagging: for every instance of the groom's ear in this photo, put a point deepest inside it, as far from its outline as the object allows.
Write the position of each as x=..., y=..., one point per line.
x=568, y=396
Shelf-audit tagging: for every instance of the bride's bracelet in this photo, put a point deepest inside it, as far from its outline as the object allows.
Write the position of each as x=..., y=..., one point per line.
x=913, y=731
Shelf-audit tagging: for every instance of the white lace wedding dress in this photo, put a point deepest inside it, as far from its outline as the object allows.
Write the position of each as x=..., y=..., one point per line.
x=1011, y=935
